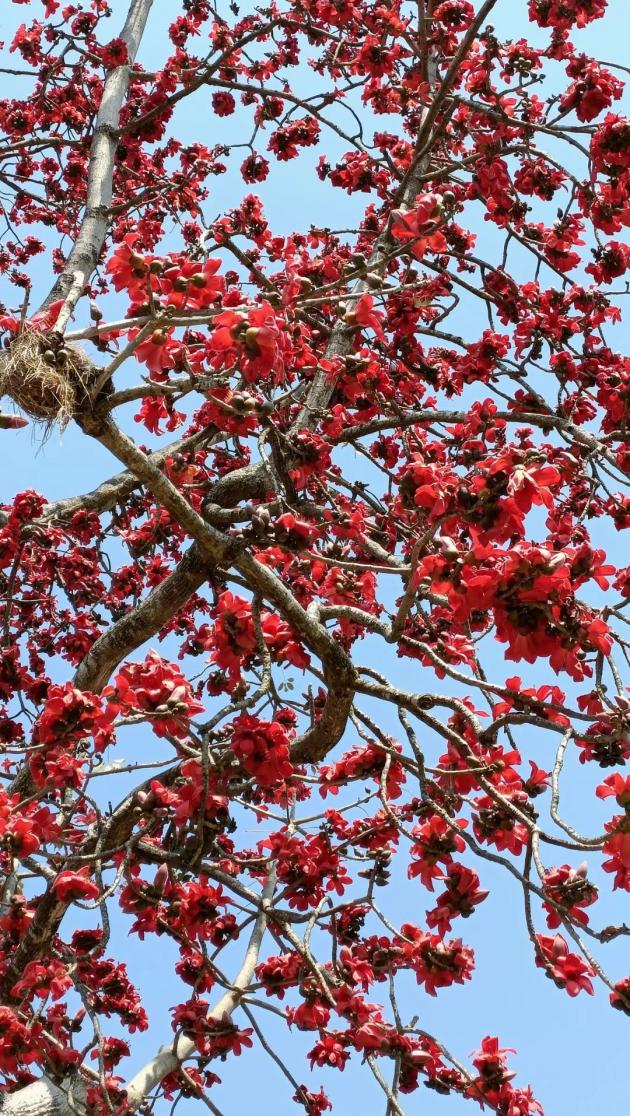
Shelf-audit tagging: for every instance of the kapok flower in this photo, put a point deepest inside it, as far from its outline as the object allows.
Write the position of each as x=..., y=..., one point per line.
x=263, y=749
x=157, y=687
x=566, y=969
x=70, y=886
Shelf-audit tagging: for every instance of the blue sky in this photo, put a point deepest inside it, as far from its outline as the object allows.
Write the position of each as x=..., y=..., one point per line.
x=572, y=1051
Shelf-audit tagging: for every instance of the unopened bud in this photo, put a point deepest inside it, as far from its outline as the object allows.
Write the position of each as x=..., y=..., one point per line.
x=178, y=696
x=251, y=339
x=242, y=400
x=161, y=879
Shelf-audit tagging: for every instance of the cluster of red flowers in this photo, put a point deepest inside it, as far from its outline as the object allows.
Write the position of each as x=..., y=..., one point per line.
x=234, y=641
x=263, y=749
x=565, y=14
x=253, y=339
x=68, y=717
x=370, y=761
x=530, y=590
x=308, y=867
x=155, y=688
x=214, y=1038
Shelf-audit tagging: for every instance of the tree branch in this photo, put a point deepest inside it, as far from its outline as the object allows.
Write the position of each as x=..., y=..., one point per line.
x=87, y=247
x=169, y=1057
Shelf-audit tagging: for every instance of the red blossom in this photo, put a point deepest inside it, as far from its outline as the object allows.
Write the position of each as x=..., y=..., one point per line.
x=420, y=225
x=566, y=969
x=254, y=338
x=263, y=749
x=158, y=688
x=570, y=890
x=70, y=886
x=564, y=14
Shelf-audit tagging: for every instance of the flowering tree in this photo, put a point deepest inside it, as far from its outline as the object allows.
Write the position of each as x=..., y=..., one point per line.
x=397, y=441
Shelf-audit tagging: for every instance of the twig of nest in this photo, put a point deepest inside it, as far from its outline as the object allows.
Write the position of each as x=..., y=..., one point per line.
x=48, y=379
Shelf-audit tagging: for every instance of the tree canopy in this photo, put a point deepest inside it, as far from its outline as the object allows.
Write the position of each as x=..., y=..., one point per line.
x=316, y=660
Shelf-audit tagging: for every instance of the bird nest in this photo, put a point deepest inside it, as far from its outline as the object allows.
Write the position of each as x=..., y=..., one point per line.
x=47, y=378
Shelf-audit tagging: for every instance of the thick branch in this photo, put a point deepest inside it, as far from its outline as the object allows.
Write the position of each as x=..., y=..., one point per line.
x=87, y=247
x=41, y=1098
x=115, y=489
x=144, y=622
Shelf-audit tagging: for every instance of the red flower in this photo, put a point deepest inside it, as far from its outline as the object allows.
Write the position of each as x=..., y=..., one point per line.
x=41, y=322
x=314, y=1103
x=437, y=963
x=611, y=261
x=457, y=14
x=618, y=786
x=420, y=224
x=200, y=907
x=70, y=886
x=309, y=868
x=70, y=714
x=493, y=1076
x=157, y=351
x=233, y=635
x=362, y=763
x=154, y=409
x=363, y=314
x=17, y=834
x=620, y=998
x=617, y=848
x=610, y=145
x=214, y=1038
x=223, y=103
x=461, y=896
x=593, y=90
x=329, y=1051
x=255, y=168
x=187, y=284
x=286, y=141
x=254, y=339
x=435, y=841
x=567, y=969
x=157, y=687
x=18, y=1043
x=570, y=889
x=129, y=268
x=263, y=749
x=565, y=14
x=112, y=1050
x=113, y=54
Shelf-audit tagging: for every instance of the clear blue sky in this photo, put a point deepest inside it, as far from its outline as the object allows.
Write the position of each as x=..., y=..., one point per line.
x=572, y=1051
